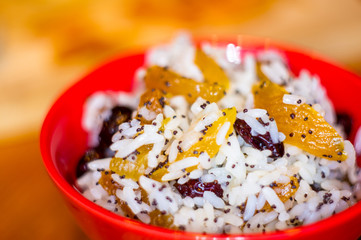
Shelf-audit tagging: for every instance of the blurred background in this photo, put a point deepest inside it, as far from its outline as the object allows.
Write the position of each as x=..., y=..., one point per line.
x=46, y=45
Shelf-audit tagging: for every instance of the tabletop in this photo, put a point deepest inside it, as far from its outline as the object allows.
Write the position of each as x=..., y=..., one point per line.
x=44, y=49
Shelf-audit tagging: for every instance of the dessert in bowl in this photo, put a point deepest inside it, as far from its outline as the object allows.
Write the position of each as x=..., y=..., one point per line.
x=211, y=141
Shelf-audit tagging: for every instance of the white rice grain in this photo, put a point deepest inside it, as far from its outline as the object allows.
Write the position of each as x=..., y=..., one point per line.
x=221, y=135
x=250, y=207
x=293, y=99
x=182, y=164
x=99, y=164
x=172, y=175
x=261, y=200
x=233, y=219
x=173, y=151
x=255, y=125
x=195, y=174
x=256, y=112
x=125, y=181
x=273, y=199
x=208, y=178
x=212, y=198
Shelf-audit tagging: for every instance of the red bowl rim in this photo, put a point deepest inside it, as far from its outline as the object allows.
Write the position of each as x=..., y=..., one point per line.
x=70, y=192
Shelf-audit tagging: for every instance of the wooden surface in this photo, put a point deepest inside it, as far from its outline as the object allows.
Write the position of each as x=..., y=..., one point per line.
x=46, y=45
x=31, y=207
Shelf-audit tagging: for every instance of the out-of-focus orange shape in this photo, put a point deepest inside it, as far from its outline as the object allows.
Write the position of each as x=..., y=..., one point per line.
x=154, y=100
x=212, y=72
x=171, y=82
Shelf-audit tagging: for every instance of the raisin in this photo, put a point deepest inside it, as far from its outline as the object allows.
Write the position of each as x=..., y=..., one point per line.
x=196, y=188
x=261, y=142
x=89, y=155
x=110, y=126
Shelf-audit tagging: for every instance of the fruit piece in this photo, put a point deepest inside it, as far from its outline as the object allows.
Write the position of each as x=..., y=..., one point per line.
x=261, y=142
x=160, y=219
x=107, y=182
x=196, y=188
x=109, y=185
x=157, y=218
x=171, y=82
x=132, y=169
x=110, y=126
x=164, y=123
x=286, y=190
x=212, y=72
x=153, y=100
x=303, y=126
x=89, y=156
x=136, y=167
x=207, y=143
x=283, y=190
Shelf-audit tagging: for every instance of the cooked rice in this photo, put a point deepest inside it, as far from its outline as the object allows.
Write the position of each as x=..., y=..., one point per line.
x=244, y=173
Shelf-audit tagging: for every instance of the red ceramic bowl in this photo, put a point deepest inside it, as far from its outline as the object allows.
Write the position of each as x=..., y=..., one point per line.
x=63, y=142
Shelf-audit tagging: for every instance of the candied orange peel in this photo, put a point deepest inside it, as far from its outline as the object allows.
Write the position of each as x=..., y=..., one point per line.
x=157, y=218
x=206, y=143
x=173, y=83
x=213, y=88
x=303, y=126
x=154, y=101
x=132, y=169
x=284, y=191
x=212, y=72
x=110, y=186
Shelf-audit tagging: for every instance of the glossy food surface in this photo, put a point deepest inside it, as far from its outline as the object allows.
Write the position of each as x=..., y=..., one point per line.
x=175, y=84
x=206, y=142
x=63, y=142
x=303, y=126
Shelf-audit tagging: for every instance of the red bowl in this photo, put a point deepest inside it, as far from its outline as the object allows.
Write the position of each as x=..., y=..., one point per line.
x=63, y=142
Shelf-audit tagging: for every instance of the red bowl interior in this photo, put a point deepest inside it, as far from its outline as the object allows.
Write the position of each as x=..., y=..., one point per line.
x=63, y=142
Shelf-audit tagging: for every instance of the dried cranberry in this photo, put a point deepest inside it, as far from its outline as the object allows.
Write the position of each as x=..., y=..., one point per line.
x=110, y=126
x=260, y=141
x=196, y=188
x=89, y=155
x=345, y=121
